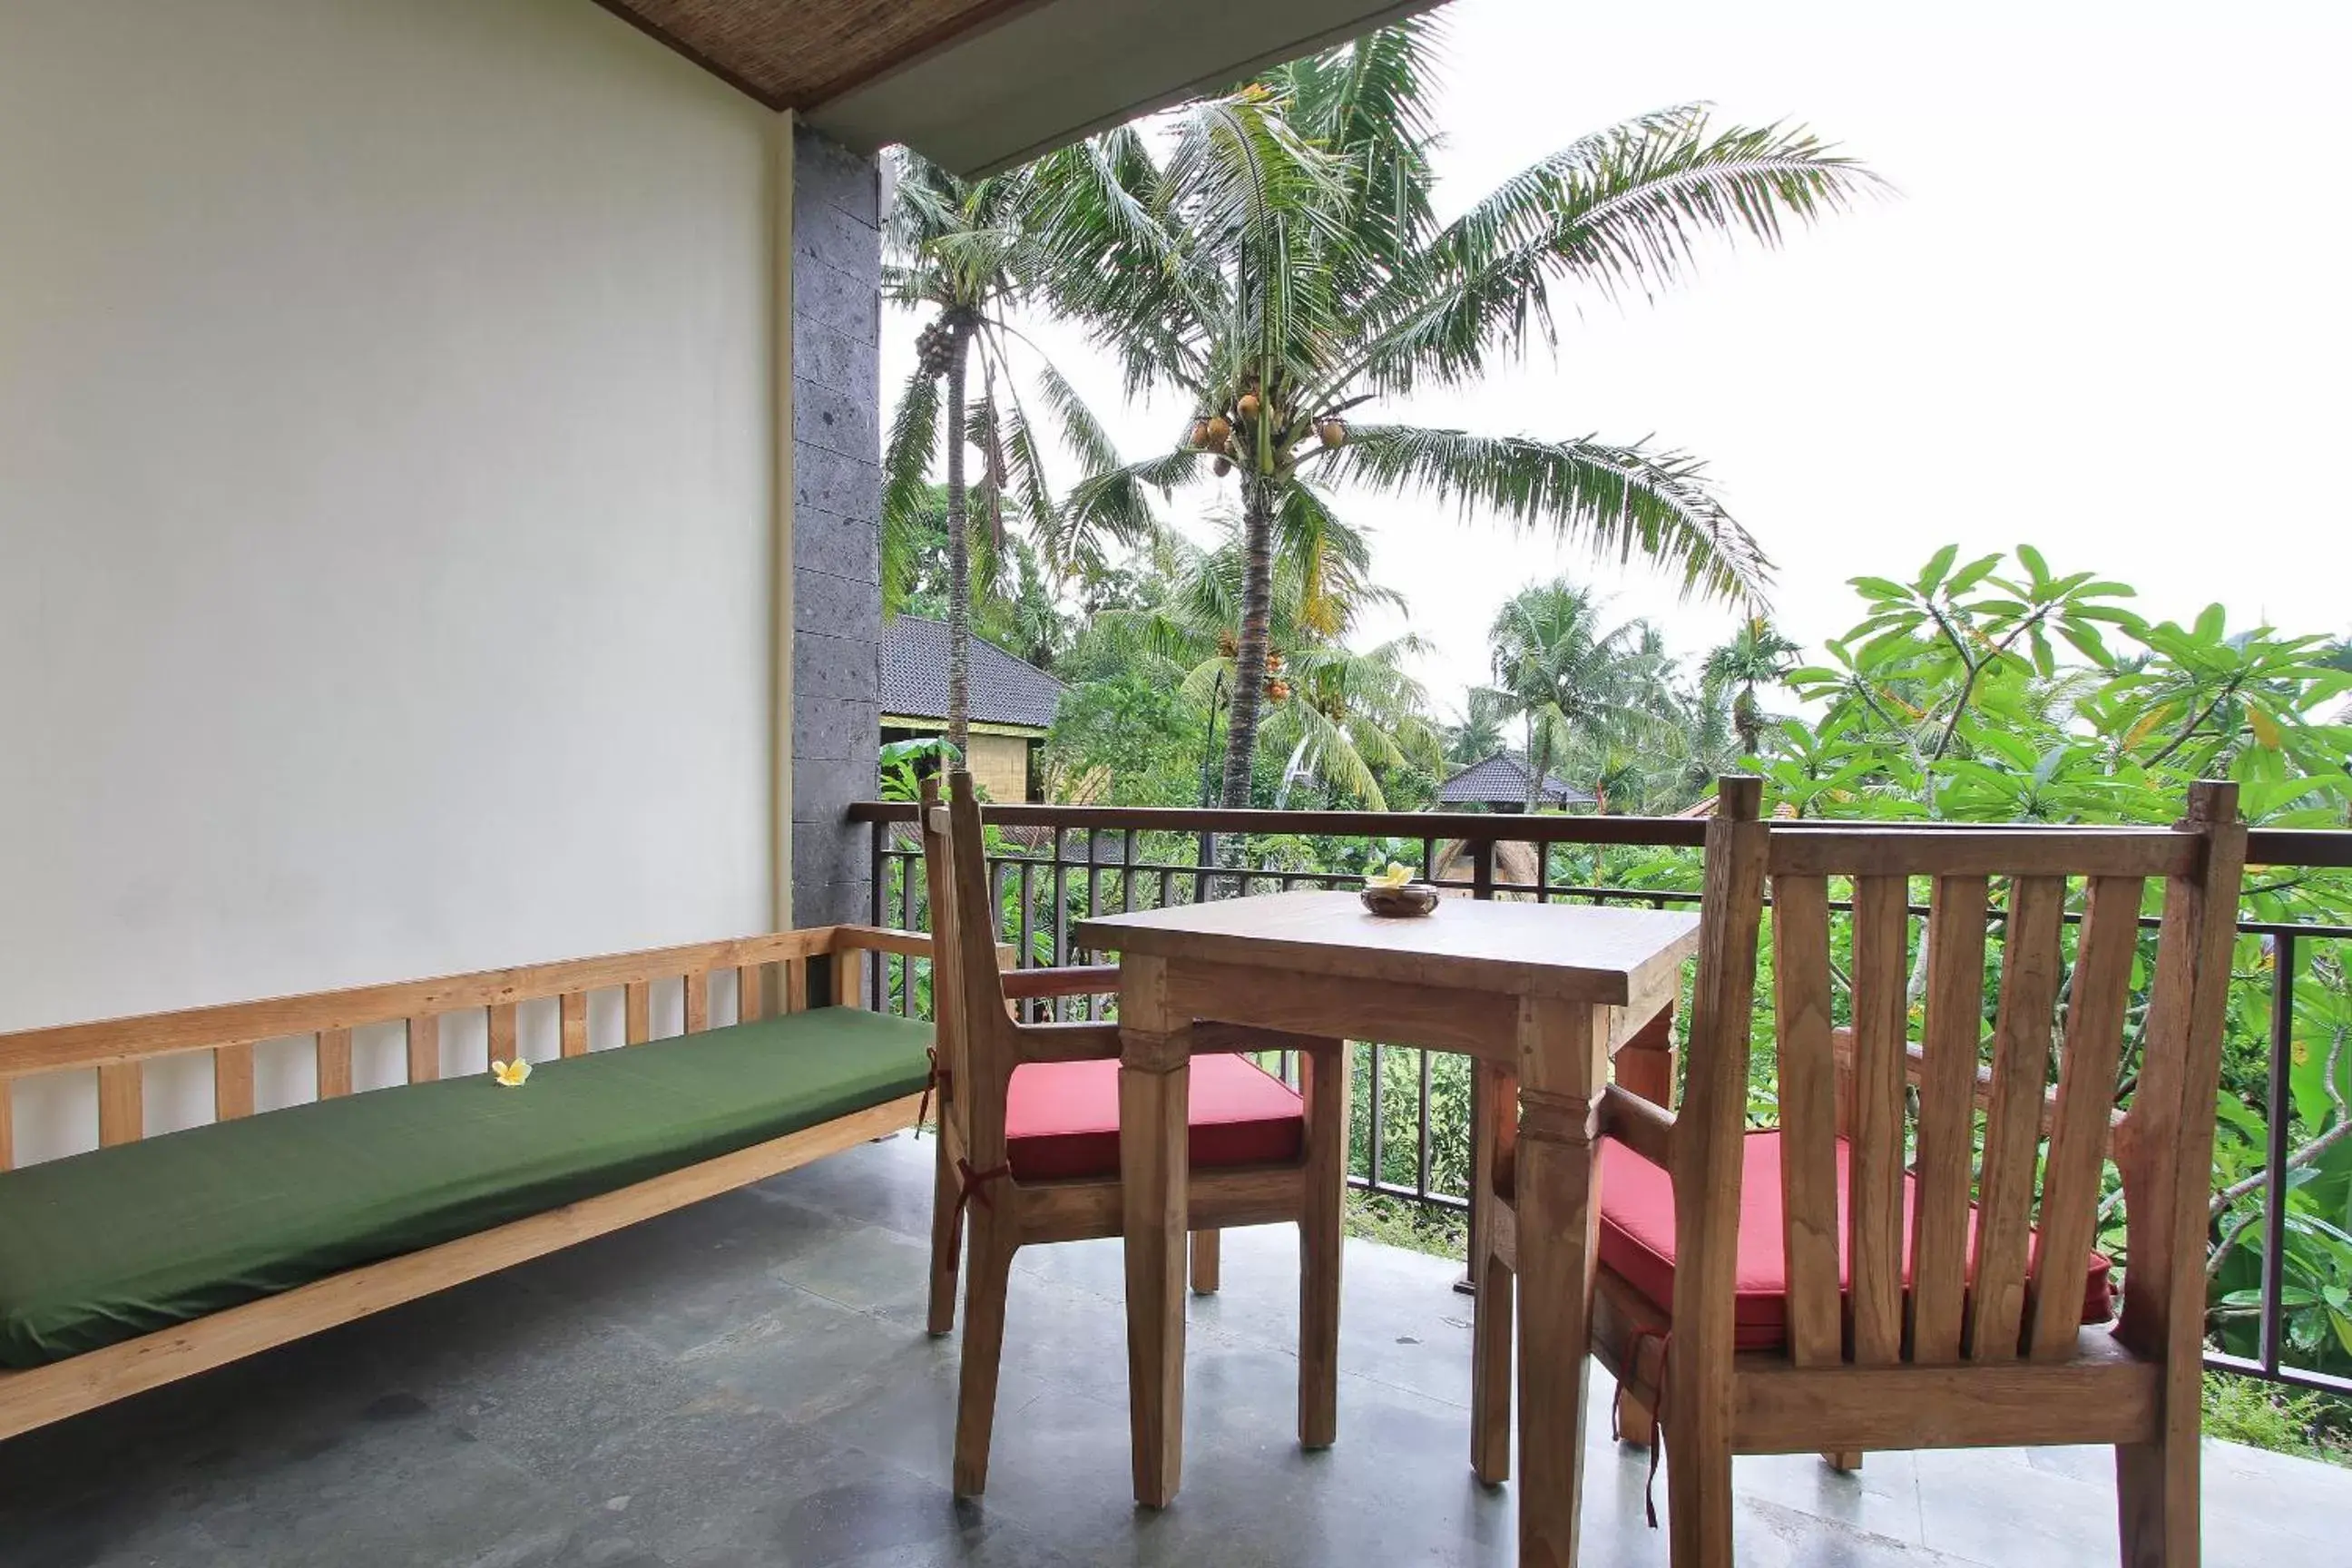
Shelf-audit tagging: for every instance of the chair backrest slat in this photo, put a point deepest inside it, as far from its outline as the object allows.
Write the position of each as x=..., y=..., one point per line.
x=2098, y=1002
x=1809, y=1126
x=1875, y=1116
x=1945, y=1164
x=2032, y=960
x=1984, y=1258
x=976, y=1033
x=751, y=998
x=698, y=1003
x=503, y=1035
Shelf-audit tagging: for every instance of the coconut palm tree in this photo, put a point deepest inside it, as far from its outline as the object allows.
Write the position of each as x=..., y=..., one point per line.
x=967, y=252
x=1272, y=259
x=1573, y=681
x=1341, y=716
x=1758, y=656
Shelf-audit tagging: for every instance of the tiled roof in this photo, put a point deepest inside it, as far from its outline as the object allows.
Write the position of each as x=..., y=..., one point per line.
x=1004, y=690
x=1502, y=780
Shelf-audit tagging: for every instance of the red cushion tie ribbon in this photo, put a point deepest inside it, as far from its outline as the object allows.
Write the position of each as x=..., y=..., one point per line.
x=971, y=1184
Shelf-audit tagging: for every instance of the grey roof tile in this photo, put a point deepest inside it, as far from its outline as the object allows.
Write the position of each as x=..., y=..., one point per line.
x=1004, y=690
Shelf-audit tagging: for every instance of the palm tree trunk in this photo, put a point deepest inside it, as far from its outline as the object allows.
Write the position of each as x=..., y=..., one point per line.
x=1258, y=496
x=959, y=561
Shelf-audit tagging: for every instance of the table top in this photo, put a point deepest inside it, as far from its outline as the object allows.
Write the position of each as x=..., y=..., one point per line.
x=1577, y=952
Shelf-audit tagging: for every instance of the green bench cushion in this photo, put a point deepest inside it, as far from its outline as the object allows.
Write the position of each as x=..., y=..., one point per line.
x=104, y=1247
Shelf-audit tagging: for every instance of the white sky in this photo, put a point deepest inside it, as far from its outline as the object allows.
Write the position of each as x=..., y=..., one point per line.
x=2108, y=312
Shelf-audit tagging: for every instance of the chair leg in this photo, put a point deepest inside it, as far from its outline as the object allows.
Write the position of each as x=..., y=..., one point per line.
x=1322, y=1231
x=1845, y=1461
x=1698, y=1500
x=947, y=1242
x=1635, y=1421
x=986, y=1281
x=2155, y=1501
x=1206, y=1253
x=1492, y=1335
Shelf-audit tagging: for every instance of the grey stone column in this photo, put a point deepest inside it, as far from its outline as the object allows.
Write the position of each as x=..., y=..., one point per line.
x=836, y=524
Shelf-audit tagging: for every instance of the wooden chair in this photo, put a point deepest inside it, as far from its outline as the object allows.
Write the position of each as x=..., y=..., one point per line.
x=1028, y=1148
x=1811, y=1287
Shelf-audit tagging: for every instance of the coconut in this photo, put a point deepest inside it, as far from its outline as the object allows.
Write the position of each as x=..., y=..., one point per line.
x=1221, y=430
x=1248, y=405
x=1332, y=431
x=1200, y=436
x=1222, y=467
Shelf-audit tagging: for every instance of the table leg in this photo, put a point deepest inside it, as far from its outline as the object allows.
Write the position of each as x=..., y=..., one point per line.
x=1494, y=1134
x=1321, y=1232
x=1154, y=1084
x=1563, y=1052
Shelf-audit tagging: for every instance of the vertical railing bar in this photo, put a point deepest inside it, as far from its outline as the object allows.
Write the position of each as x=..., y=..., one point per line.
x=906, y=922
x=1167, y=889
x=1421, y=1173
x=1482, y=869
x=2281, y=1107
x=1091, y=1005
x=1127, y=873
x=1372, y=1098
x=878, y=897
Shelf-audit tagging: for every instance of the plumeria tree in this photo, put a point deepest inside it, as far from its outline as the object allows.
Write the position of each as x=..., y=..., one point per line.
x=1271, y=257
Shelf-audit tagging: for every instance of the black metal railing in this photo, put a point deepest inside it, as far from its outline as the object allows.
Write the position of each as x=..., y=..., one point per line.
x=1052, y=867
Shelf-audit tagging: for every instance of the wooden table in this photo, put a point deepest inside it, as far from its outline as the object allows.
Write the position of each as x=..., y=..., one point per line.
x=1540, y=987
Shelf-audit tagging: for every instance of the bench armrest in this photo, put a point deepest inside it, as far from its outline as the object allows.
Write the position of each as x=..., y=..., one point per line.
x=880, y=939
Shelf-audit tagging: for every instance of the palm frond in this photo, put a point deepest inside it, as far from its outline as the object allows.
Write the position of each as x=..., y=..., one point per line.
x=1620, y=500
x=1625, y=208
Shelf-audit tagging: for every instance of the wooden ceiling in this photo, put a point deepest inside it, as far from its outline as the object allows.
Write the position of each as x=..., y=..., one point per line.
x=980, y=84
x=796, y=54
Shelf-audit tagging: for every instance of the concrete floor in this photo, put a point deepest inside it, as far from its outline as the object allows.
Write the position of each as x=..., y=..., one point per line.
x=747, y=1382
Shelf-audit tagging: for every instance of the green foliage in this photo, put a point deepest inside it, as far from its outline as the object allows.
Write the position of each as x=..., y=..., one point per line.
x=2262, y=1415
x=1272, y=261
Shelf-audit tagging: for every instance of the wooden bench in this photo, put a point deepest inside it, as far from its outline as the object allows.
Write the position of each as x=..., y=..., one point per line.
x=862, y=1074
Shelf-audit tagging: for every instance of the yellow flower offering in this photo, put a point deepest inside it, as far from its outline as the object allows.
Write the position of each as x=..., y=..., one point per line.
x=1396, y=873
x=511, y=1074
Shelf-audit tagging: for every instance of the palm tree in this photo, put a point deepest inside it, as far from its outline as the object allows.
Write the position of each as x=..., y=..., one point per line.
x=967, y=252
x=1343, y=716
x=1570, y=680
x=1275, y=261
x=1478, y=734
x=1758, y=656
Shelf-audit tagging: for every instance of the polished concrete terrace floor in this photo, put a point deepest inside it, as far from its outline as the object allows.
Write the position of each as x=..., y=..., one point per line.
x=747, y=1382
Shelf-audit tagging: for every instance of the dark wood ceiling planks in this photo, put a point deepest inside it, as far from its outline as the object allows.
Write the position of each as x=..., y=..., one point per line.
x=796, y=54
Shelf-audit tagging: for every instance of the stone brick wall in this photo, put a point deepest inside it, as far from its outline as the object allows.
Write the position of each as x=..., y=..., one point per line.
x=837, y=527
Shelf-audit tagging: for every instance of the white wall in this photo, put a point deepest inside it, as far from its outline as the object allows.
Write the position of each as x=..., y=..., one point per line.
x=384, y=500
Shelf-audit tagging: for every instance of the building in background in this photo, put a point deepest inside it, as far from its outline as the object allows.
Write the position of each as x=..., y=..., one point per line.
x=1013, y=704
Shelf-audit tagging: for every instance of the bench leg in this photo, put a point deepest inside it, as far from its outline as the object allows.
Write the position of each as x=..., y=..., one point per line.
x=947, y=1240
x=986, y=1281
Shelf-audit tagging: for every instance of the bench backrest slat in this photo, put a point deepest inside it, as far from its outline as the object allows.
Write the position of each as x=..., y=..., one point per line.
x=118, y=1049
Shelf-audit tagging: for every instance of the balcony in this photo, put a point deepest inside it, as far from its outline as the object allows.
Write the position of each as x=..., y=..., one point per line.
x=749, y=1382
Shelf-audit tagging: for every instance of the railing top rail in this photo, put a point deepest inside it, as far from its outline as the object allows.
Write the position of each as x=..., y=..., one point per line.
x=2329, y=849
x=1664, y=832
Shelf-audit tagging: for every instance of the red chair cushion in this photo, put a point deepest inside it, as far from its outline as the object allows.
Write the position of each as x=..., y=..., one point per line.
x=1061, y=1118
x=1637, y=1238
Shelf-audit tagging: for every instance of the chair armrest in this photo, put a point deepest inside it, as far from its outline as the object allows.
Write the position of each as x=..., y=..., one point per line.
x=1645, y=1129
x=1075, y=980
x=1067, y=1042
